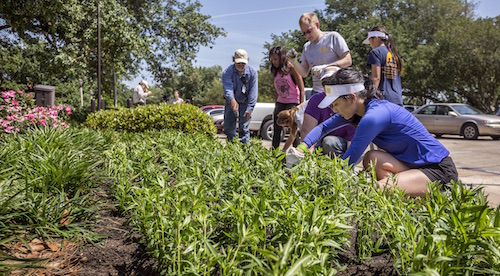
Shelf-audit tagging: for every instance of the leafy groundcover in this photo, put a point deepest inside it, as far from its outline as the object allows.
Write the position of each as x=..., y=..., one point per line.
x=204, y=208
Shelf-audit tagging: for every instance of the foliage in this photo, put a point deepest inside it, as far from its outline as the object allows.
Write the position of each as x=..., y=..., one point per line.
x=18, y=114
x=438, y=64
x=184, y=117
x=229, y=210
x=201, y=85
x=47, y=182
x=234, y=210
x=435, y=60
x=53, y=42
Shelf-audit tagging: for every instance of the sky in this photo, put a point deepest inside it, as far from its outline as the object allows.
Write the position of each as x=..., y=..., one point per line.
x=249, y=24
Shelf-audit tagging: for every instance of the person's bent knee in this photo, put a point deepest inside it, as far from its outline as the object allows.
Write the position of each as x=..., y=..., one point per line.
x=334, y=146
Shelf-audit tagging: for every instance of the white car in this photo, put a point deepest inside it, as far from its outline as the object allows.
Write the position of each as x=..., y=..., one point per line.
x=261, y=121
x=216, y=114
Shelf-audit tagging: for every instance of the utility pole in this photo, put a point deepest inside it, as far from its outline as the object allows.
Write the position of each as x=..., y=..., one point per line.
x=98, y=55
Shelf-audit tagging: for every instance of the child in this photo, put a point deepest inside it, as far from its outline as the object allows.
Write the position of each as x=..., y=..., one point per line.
x=289, y=87
x=292, y=118
x=386, y=64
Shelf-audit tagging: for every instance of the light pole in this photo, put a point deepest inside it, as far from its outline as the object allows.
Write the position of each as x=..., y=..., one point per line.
x=98, y=55
x=80, y=81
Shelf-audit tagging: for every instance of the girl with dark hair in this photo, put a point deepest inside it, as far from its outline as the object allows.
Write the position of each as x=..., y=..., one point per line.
x=385, y=64
x=408, y=156
x=289, y=87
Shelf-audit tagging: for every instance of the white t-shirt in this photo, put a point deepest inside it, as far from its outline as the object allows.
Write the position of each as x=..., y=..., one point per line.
x=178, y=101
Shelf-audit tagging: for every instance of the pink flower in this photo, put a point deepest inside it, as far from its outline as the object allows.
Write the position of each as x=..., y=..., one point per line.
x=15, y=103
x=68, y=109
x=20, y=92
x=43, y=122
x=5, y=95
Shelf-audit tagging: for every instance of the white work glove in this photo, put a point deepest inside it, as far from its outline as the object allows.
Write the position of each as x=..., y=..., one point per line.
x=291, y=55
x=317, y=70
x=293, y=157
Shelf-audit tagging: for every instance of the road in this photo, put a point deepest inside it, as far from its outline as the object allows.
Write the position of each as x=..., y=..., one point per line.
x=477, y=161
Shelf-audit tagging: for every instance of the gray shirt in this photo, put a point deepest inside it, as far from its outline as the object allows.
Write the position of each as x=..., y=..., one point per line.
x=328, y=49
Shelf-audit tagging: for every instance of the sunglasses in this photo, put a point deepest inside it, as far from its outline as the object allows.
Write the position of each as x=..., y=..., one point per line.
x=307, y=32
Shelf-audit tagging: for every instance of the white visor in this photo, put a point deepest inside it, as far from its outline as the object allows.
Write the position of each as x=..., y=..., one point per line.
x=375, y=34
x=334, y=91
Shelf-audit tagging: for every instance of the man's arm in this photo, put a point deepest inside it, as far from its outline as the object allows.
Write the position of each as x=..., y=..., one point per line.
x=302, y=68
x=227, y=84
x=253, y=93
x=344, y=61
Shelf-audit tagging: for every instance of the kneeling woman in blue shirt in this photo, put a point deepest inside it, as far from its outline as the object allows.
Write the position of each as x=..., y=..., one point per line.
x=408, y=153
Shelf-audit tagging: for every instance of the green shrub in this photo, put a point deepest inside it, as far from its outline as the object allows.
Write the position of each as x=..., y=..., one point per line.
x=79, y=115
x=184, y=117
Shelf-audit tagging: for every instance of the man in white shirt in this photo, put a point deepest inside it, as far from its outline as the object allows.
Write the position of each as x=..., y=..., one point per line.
x=141, y=92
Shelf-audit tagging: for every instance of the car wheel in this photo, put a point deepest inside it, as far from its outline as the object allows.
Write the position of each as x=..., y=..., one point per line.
x=469, y=131
x=438, y=135
x=495, y=137
x=267, y=131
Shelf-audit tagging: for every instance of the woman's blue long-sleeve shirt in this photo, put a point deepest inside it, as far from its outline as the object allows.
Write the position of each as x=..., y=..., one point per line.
x=390, y=127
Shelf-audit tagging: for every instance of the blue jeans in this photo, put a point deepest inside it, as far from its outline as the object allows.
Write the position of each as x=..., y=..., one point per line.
x=333, y=145
x=230, y=122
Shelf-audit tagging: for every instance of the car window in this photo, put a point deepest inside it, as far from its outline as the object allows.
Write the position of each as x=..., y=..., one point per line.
x=442, y=110
x=466, y=109
x=428, y=110
x=217, y=112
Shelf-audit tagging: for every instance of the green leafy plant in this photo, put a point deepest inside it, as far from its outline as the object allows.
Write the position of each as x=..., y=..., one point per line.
x=184, y=117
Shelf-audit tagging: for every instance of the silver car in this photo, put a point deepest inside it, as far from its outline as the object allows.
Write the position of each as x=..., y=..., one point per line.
x=460, y=119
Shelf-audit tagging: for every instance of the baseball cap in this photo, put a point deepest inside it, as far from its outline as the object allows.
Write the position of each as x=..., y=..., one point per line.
x=334, y=91
x=375, y=34
x=240, y=55
x=145, y=83
x=328, y=72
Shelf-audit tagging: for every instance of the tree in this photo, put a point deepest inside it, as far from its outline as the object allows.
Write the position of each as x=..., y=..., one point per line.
x=165, y=34
x=448, y=54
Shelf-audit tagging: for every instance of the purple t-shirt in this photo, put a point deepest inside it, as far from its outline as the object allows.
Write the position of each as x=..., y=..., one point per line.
x=347, y=130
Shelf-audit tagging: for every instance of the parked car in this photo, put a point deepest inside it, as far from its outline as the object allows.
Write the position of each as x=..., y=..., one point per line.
x=216, y=113
x=460, y=119
x=207, y=108
x=261, y=122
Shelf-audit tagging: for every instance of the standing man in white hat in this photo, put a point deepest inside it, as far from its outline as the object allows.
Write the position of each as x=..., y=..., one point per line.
x=240, y=85
x=141, y=93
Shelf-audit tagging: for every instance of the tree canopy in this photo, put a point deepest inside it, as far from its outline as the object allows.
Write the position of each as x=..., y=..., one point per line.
x=56, y=41
x=449, y=54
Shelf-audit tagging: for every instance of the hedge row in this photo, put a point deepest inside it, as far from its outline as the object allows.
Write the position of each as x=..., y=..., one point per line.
x=184, y=117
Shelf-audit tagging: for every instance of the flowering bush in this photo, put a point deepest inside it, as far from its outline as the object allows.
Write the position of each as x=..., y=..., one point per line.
x=18, y=113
